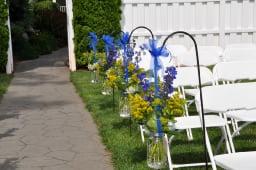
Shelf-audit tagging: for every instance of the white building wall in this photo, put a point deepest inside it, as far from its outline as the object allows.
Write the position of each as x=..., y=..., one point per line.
x=212, y=22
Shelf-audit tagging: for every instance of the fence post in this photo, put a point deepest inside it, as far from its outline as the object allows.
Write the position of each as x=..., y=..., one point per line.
x=222, y=23
x=9, y=65
x=70, y=29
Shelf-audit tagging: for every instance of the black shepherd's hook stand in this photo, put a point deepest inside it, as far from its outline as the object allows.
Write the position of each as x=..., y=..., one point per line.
x=200, y=86
x=141, y=27
x=129, y=39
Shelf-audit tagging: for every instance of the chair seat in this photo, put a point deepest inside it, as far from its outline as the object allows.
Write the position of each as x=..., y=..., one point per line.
x=191, y=92
x=237, y=161
x=195, y=122
x=242, y=115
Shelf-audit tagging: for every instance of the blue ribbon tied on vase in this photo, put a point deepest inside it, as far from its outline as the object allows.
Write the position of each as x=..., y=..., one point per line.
x=93, y=44
x=156, y=65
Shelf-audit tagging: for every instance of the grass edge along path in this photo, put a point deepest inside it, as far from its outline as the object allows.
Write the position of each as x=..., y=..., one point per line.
x=5, y=81
x=128, y=152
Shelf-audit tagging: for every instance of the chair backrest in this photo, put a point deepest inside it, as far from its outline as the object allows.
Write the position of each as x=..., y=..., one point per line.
x=228, y=97
x=240, y=45
x=240, y=53
x=176, y=51
x=236, y=70
x=188, y=76
x=213, y=49
x=206, y=58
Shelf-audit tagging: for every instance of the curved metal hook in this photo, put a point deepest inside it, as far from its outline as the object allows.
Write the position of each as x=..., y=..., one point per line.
x=200, y=85
x=149, y=30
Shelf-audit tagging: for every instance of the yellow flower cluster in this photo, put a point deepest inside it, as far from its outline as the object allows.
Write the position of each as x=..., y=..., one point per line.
x=174, y=106
x=140, y=109
x=112, y=78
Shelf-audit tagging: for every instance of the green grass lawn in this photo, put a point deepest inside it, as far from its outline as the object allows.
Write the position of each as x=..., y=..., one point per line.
x=4, y=83
x=128, y=152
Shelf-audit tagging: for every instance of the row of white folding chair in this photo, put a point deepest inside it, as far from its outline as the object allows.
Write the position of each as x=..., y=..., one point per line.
x=230, y=72
x=227, y=97
x=239, y=52
x=208, y=55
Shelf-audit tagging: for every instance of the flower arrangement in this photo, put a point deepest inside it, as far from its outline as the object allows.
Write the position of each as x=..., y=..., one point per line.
x=156, y=103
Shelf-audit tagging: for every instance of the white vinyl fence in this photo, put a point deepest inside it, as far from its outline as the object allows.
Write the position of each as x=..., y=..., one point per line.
x=212, y=22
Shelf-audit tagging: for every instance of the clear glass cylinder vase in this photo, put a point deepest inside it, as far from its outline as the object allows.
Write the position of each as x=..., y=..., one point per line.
x=124, y=109
x=94, y=76
x=156, y=152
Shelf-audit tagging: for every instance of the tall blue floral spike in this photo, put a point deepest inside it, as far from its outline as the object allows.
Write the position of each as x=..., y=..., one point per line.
x=123, y=42
x=93, y=44
x=111, y=52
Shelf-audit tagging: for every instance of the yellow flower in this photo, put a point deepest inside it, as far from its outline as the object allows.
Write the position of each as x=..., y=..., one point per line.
x=131, y=67
x=140, y=109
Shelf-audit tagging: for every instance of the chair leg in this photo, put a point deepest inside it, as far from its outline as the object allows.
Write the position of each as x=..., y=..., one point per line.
x=209, y=150
x=229, y=134
x=226, y=139
x=142, y=133
x=237, y=127
x=189, y=131
x=166, y=141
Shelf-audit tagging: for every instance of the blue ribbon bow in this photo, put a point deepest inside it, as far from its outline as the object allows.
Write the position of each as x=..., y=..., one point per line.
x=156, y=52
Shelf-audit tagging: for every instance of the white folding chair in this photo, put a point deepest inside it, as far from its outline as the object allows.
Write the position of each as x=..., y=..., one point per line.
x=230, y=72
x=227, y=97
x=187, y=83
x=241, y=45
x=237, y=161
x=239, y=53
x=208, y=57
x=192, y=122
x=176, y=51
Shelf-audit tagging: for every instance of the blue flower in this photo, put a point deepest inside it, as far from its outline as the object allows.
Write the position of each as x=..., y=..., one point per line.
x=171, y=73
x=142, y=76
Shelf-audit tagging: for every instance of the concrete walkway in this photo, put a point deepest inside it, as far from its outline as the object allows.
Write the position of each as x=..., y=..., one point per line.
x=43, y=123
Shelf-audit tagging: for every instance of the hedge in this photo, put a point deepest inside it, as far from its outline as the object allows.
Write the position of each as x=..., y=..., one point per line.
x=100, y=16
x=4, y=36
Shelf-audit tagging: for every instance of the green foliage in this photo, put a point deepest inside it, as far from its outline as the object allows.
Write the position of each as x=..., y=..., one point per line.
x=49, y=19
x=44, y=42
x=44, y=5
x=4, y=36
x=5, y=81
x=100, y=16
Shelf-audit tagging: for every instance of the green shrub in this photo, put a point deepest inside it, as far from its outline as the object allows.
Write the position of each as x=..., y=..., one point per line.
x=100, y=16
x=49, y=19
x=24, y=50
x=86, y=58
x=44, y=42
x=44, y=5
x=4, y=36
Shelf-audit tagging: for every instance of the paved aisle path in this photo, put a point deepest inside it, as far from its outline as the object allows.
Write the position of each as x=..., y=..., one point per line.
x=43, y=123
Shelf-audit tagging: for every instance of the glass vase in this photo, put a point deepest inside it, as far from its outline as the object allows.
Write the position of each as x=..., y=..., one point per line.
x=124, y=109
x=106, y=91
x=156, y=152
x=94, y=76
